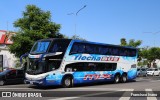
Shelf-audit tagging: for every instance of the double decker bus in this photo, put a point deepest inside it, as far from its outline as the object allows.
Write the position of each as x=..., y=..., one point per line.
x=68, y=62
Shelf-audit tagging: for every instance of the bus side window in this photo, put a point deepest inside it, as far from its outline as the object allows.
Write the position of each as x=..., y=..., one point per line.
x=133, y=53
x=91, y=49
x=115, y=51
x=121, y=52
x=54, y=48
x=74, y=67
x=81, y=48
x=103, y=50
x=69, y=69
x=74, y=49
x=77, y=48
x=58, y=47
x=53, y=65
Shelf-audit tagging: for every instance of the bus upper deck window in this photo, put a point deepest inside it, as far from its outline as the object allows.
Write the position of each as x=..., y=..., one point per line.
x=55, y=48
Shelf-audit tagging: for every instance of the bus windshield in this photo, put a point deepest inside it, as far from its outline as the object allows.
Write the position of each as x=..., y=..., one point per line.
x=52, y=49
x=40, y=47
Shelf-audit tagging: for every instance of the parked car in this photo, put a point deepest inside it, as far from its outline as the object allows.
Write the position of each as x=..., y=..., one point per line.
x=153, y=71
x=12, y=76
x=142, y=72
x=138, y=71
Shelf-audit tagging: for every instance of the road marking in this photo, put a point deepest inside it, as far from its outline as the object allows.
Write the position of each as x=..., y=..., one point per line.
x=65, y=98
x=93, y=94
x=150, y=91
x=155, y=81
x=125, y=98
x=96, y=89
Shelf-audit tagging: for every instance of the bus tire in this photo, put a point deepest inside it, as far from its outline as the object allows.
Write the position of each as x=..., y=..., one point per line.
x=124, y=78
x=67, y=82
x=116, y=78
x=2, y=82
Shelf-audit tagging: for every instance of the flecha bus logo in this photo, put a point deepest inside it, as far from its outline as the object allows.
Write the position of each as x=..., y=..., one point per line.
x=95, y=58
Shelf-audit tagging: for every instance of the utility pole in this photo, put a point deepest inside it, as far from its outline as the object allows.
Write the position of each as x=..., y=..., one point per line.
x=75, y=15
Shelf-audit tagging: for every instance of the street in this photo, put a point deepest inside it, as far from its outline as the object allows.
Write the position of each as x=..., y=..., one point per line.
x=144, y=88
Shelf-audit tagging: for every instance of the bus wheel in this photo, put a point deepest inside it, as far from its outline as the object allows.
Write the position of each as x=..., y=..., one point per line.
x=2, y=82
x=116, y=78
x=124, y=78
x=67, y=82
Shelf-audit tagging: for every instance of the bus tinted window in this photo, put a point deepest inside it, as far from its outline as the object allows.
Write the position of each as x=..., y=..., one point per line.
x=115, y=51
x=58, y=47
x=102, y=50
x=77, y=48
x=81, y=48
x=85, y=66
x=90, y=49
x=40, y=47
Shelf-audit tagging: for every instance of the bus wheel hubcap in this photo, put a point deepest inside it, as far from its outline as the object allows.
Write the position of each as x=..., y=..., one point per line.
x=1, y=82
x=124, y=79
x=117, y=79
x=67, y=82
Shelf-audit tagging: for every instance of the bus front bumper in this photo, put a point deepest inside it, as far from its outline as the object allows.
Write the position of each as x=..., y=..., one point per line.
x=33, y=82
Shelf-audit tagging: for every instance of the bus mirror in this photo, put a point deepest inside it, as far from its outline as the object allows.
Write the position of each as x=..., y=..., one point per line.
x=52, y=54
x=58, y=53
x=53, y=68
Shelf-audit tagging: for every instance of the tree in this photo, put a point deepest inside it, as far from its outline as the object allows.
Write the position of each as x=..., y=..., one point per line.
x=77, y=37
x=151, y=54
x=134, y=43
x=35, y=24
x=131, y=42
x=123, y=42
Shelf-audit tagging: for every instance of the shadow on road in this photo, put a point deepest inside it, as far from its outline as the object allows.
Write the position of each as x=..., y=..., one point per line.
x=78, y=85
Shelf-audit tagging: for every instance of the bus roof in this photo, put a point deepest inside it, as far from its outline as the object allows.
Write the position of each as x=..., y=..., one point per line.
x=83, y=41
x=53, y=39
x=103, y=44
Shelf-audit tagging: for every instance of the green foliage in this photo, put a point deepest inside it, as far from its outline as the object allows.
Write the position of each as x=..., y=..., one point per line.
x=151, y=54
x=77, y=37
x=74, y=37
x=123, y=42
x=134, y=43
x=36, y=19
x=35, y=24
x=143, y=63
x=131, y=42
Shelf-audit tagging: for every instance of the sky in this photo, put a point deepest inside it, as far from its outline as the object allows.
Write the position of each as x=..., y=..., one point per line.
x=104, y=21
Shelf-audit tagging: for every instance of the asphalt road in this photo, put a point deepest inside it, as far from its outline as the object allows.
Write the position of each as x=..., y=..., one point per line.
x=144, y=88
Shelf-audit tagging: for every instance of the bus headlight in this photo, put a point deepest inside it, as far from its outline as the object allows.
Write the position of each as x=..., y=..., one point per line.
x=42, y=77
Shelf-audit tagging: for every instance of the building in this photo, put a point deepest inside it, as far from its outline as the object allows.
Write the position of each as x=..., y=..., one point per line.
x=157, y=63
x=7, y=59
